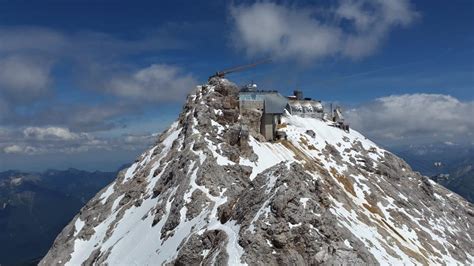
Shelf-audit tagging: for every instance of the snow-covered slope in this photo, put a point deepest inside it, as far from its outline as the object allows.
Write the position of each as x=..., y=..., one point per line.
x=211, y=192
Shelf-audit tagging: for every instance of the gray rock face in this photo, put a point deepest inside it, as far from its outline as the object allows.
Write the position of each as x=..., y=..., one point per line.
x=211, y=192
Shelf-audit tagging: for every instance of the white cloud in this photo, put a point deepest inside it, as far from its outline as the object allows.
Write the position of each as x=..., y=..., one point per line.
x=58, y=140
x=157, y=82
x=17, y=149
x=13, y=149
x=43, y=133
x=24, y=77
x=415, y=118
x=27, y=55
x=354, y=28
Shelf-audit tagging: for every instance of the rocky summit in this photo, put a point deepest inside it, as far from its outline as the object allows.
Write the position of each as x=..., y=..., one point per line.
x=212, y=190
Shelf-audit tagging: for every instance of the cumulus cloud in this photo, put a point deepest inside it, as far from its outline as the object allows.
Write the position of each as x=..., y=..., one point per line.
x=42, y=140
x=29, y=54
x=12, y=149
x=354, y=28
x=60, y=140
x=43, y=133
x=24, y=78
x=415, y=118
x=158, y=82
x=33, y=124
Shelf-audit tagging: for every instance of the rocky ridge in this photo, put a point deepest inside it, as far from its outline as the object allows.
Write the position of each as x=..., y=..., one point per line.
x=212, y=192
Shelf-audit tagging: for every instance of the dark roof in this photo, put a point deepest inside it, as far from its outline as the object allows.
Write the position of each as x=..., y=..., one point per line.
x=275, y=103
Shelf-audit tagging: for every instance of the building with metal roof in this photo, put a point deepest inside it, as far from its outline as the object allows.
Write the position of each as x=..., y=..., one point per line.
x=271, y=104
x=274, y=103
x=305, y=107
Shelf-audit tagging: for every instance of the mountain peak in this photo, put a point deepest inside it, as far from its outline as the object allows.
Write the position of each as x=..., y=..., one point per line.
x=224, y=185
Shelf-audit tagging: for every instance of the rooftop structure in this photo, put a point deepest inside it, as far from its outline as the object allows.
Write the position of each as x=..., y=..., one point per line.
x=306, y=107
x=271, y=105
x=274, y=103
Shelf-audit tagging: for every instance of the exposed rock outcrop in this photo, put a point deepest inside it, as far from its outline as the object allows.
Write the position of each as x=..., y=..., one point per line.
x=210, y=192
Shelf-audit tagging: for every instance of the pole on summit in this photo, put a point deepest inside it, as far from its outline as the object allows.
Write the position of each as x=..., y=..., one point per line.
x=222, y=73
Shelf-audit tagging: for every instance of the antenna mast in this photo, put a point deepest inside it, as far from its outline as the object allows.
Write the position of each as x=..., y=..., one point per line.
x=222, y=73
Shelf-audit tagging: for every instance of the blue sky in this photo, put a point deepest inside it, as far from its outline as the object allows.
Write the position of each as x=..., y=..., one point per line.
x=86, y=84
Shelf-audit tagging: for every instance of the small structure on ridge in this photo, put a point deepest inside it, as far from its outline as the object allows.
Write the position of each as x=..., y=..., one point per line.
x=270, y=104
x=304, y=107
x=266, y=107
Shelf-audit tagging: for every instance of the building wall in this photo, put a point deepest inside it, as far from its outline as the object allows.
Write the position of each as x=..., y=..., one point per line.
x=301, y=111
x=252, y=96
x=251, y=100
x=259, y=101
x=250, y=104
x=267, y=127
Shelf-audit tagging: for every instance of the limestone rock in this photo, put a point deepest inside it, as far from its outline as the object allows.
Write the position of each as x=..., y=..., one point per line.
x=212, y=192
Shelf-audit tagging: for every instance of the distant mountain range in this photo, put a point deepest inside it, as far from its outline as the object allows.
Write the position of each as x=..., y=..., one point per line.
x=459, y=179
x=450, y=165
x=34, y=207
